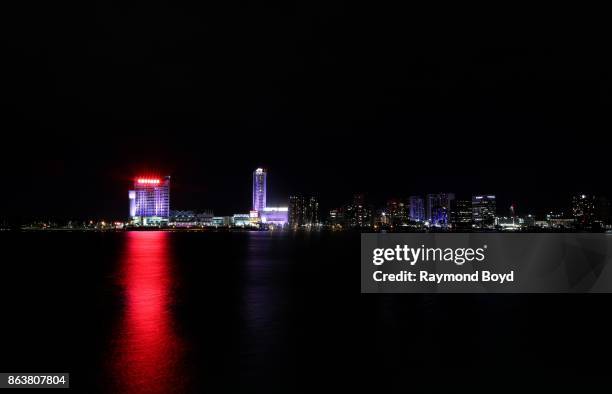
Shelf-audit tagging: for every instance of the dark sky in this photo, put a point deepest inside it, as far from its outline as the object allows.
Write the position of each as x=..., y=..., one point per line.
x=331, y=98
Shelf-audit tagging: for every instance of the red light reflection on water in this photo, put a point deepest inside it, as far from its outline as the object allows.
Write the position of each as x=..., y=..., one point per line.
x=148, y=353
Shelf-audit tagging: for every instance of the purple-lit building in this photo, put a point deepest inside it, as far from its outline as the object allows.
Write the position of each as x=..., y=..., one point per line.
x=261, y=213
x=259, y=189
x=150, y=201
x=276, y=216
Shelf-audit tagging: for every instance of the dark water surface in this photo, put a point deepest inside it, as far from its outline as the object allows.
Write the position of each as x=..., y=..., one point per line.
x=160, y=312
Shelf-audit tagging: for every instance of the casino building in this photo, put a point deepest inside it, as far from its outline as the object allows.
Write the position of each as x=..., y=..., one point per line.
x=263, y=214
x=150, y=202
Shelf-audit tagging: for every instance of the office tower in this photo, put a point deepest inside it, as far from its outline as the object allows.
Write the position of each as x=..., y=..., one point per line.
x=336, y=218
x=416, y=209
x=397, y=212
x=438, y=207
x=461, y=214
x=382, y=219
x=483, y=211
x=583, y=210
x=150, y=201
x=357, y=214
x=296, y=211
x=259, y=189
x=303, y=211
x=312, y=212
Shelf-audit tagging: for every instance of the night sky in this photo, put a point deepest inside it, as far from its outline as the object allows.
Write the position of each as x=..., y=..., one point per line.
x=331, y=98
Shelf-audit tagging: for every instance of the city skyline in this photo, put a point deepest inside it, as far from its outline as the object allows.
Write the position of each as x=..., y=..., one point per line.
x=281, y=197
x=150, y=206
x=189, y=188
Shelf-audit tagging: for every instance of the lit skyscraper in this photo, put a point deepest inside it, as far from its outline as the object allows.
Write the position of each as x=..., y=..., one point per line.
x=438, y=208
x=461, y=214
x=396, y=210
x=311, y=217
x=483, y=211
x=150, y=201
x=296, y=211
x=259, y=190
x=416, y=208
x=303, y=211
x=358, y=214
x=583, y=210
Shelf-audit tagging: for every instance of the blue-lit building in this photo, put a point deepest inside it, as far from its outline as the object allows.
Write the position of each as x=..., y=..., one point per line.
x=416, y=208
x=150, y=201
x=259, y=189
x=438, y=208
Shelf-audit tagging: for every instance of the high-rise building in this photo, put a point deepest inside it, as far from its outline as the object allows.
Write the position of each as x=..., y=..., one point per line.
x=461, y=214
x=262, y=214
x=336, y=218
x=259, y=189
x=583, y=210
x=357, y=214
x=382, y=219
x=416, y=209
x=150, y=201
x=303, y=211
x=483, y=211
x=438, y=208
x=296, y=211
x=396, y=210
x=311, y=217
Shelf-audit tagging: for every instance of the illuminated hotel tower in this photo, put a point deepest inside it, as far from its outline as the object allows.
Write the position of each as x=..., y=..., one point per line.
x=150, y=201
x=259, y=189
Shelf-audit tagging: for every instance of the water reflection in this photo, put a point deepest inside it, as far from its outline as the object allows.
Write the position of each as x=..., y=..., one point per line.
x=148, y=353
x=264, y=341
x=260, y=300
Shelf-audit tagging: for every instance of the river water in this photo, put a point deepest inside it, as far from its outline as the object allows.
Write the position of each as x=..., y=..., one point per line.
x=160, y=312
